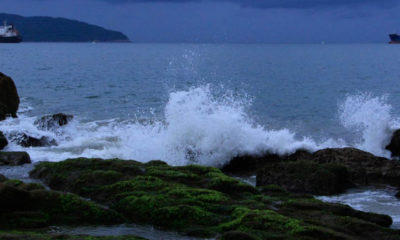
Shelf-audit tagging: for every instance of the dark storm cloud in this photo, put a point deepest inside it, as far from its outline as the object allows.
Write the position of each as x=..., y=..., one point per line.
x=288, y=4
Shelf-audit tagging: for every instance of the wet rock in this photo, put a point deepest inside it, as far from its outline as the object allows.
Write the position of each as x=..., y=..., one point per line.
x=28, y=141
x=54, y=121
x=13, y=199
x=31, y=206
x=9, y=99
x=398, y=195
x=364, y=168
x=29, y=235
x=247, y=165
x=236, y=235
x=14, y=158
x=305, y=177
x=394, y=145
x=3, y=141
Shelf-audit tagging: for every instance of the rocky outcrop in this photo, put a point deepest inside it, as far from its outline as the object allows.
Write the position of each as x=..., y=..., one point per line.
x=204, y=202
x=14, y=158
x=247, y=165
x=394, y=145
x=3, y=141
x=305, y=177
x=51, y=122
x=364, y=168
x=9, y=99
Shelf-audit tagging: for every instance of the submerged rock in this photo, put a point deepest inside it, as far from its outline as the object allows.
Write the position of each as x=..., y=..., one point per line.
x=14, y=158
x=51, y=122
x=394, y=145
x=9, y=99
x=3, y=141
x=305, y=177
x=204, y=202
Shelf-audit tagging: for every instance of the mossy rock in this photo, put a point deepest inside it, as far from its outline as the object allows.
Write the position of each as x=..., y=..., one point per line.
x=203, y=201
x=31, y=206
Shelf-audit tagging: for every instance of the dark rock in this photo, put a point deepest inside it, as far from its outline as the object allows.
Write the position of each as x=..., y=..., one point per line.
x=338, y=209
x=246, y=165
x=3, y=141
x=2, y=178
x=13, y=199
x=364, y=168
x=305, y=177
x=14, y=158
x=236, y=235
x=53, y=121
x=9, y=99
x=29, y=235
x=28, y=141
x=394, y=145
x=31, y=206
x=398, y=195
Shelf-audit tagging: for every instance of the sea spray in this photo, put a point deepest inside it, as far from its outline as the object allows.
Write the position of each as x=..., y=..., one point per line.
x=371, y=118
x=200, y=126
x=197, y=127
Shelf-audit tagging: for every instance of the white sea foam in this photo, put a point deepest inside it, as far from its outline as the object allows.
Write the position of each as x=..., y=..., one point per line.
x=371, y=118
x=200, y=127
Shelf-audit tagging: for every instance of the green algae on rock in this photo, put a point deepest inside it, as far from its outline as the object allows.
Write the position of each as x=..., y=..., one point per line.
x=24, y=206
x=203, y=201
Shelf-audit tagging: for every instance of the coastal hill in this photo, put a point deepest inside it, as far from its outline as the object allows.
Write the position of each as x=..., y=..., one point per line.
x=49, y=29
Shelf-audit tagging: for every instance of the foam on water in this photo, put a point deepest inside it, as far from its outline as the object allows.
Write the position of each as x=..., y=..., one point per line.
x=199, y=126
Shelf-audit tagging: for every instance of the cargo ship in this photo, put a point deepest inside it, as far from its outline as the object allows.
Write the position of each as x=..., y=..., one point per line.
x=9, y=34
x=394, y=38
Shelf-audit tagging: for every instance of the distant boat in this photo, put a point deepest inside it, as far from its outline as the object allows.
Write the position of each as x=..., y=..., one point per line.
x=394, y=38
x=9, y=34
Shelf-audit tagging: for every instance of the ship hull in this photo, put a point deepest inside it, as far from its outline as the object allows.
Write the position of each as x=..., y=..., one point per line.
x=16, y=39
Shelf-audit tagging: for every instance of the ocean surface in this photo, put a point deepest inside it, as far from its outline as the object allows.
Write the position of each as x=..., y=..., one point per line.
x=163, y=101
x=206, y=103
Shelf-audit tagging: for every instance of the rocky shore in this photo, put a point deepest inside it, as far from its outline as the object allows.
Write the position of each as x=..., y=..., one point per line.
x=194, y=200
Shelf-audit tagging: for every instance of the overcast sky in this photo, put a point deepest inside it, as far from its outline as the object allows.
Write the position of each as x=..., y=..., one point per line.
x=271, y=21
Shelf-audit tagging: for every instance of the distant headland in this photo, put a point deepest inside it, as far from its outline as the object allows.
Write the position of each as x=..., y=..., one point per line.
x=50, y=29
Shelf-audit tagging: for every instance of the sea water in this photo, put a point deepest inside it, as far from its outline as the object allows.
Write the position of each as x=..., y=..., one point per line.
x=163, y=101
x=204, y=103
